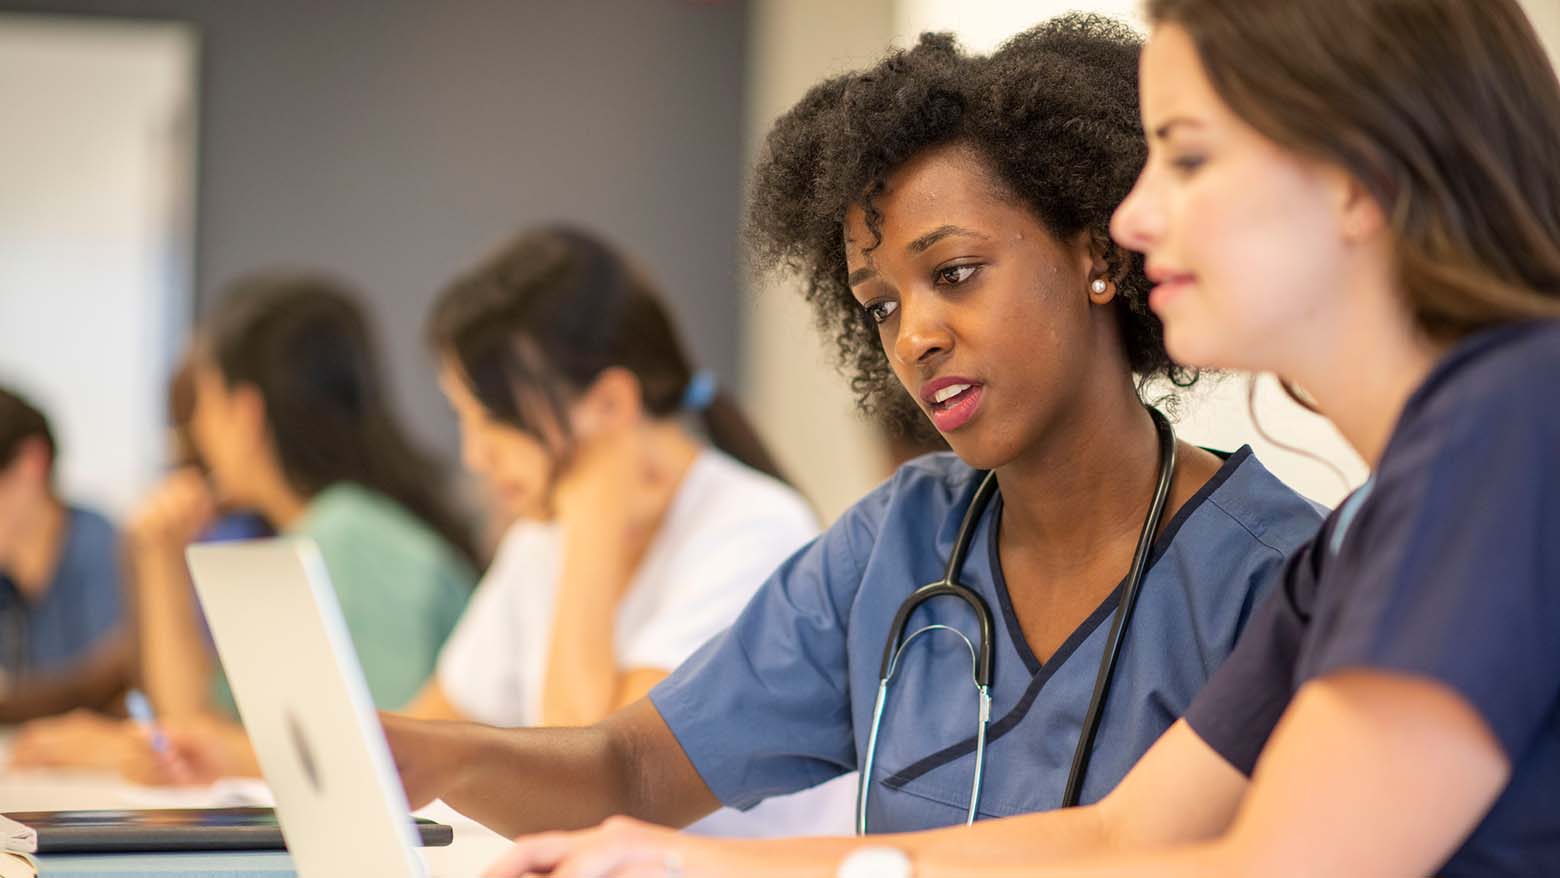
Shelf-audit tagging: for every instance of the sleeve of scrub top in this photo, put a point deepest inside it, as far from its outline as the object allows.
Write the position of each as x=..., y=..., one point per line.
x=1242, y=702
x=1453, y=573
x=764, y=708
x=707, y=591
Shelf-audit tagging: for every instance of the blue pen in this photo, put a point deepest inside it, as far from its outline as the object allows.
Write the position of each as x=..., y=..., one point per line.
x=141, y=711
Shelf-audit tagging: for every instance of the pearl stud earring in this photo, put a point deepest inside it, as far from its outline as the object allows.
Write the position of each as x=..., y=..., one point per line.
x=1098, y=286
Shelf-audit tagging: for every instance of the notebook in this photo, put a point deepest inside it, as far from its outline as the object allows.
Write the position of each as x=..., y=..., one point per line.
x=173, y=829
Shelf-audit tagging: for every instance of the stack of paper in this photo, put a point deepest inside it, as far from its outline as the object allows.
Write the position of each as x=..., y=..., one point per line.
x=17, y=844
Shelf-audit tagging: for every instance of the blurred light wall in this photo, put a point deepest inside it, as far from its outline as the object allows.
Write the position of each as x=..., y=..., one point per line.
x=799, y=401
x=95, y=225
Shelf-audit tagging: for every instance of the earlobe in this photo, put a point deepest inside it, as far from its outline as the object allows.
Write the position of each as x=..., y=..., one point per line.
x=1102, y=287
x=1100, y=291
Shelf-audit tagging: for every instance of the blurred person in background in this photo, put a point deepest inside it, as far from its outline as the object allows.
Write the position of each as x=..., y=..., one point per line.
x=87, y=735
x=646, y=509
x=63, y=638
x=292, y=421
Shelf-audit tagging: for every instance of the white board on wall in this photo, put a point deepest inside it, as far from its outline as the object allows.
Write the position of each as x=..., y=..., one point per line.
x=96, y=205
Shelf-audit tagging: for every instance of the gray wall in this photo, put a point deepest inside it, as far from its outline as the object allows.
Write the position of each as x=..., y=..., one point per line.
x=396, y=142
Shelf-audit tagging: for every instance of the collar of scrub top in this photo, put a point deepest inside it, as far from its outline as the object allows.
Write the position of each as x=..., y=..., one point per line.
x=981, y=657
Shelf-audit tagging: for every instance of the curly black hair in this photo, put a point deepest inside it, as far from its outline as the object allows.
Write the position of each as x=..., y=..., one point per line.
x=1053, y=111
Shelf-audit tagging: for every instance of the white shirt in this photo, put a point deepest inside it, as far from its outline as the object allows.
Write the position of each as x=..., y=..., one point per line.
x=727, y=529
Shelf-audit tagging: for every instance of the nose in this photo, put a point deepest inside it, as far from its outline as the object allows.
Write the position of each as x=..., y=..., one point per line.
x=924, y=336
x=1138, y=223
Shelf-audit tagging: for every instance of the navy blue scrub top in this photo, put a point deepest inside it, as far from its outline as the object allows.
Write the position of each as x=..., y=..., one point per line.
x=80, y=607
x=783, y=700
x=1445, y=566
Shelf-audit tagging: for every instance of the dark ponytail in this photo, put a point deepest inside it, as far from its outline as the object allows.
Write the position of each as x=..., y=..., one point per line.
x=303, y=342
x=555, y=307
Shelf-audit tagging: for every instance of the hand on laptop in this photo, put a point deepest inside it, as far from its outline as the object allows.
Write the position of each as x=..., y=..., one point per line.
x=621, y=846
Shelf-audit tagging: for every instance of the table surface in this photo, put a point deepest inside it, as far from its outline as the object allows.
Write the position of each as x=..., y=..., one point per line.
x=474, y=846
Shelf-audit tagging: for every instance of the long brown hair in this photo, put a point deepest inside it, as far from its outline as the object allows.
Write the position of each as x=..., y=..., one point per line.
x=304, y=342
x=1445, y=110
x=554, y=308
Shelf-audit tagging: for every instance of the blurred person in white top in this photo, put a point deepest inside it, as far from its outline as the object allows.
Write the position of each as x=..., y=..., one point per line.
x=635, y=540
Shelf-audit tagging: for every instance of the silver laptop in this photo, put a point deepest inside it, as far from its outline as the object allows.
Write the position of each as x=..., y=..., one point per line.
x=304, y=702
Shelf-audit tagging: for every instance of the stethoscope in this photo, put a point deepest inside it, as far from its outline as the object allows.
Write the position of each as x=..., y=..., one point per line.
x=981, y=657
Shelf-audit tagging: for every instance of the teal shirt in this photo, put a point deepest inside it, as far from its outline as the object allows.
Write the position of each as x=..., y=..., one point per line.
x=401, y=587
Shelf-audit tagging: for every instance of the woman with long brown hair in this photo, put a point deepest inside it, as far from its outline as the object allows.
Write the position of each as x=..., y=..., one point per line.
x=1363, y=197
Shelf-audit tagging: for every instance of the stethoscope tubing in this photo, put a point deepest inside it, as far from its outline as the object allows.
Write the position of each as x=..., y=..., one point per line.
x=981, y=656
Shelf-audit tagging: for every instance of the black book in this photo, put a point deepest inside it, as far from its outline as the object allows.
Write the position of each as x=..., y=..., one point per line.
x=175, y=829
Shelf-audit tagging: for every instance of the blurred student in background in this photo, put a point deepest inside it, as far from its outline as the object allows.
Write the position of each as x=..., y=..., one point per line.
x=63, y=642
x=87, y=735
x=636, y=539
x=292, y=421
x=573, y=394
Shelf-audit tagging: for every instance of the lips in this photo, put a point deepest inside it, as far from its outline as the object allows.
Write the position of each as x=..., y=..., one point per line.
x=1167, y=285
x=952, y=401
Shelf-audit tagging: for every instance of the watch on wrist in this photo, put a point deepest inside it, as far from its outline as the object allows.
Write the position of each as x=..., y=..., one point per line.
x=875, y=861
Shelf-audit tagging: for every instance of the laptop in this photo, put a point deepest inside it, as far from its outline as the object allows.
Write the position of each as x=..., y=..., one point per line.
x=306, y=707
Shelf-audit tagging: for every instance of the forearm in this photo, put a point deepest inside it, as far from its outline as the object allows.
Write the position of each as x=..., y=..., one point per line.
x=528, y=780
x=1195, y=861
x=1017, y=843
x=1028, y=838
x=92, y=682
x=582, y=681
x=175, y=662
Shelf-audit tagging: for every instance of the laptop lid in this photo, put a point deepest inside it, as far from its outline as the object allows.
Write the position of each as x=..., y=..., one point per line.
x=306, y=707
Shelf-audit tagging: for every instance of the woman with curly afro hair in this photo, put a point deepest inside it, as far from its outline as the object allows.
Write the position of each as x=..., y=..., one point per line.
x=948, y=214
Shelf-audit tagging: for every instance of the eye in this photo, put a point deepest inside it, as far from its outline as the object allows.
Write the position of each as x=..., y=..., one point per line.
x=953, y=275
x=1186, y=164
x=881, y=310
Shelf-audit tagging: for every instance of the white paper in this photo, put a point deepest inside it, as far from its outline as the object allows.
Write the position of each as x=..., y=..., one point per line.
x=16, y=837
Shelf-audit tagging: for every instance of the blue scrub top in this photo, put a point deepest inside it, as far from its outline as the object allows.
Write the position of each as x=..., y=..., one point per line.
x=783, y=700
x=78, y=610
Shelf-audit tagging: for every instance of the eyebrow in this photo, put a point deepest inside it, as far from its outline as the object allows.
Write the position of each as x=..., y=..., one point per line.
x=1163, y=131
x=919, y=245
